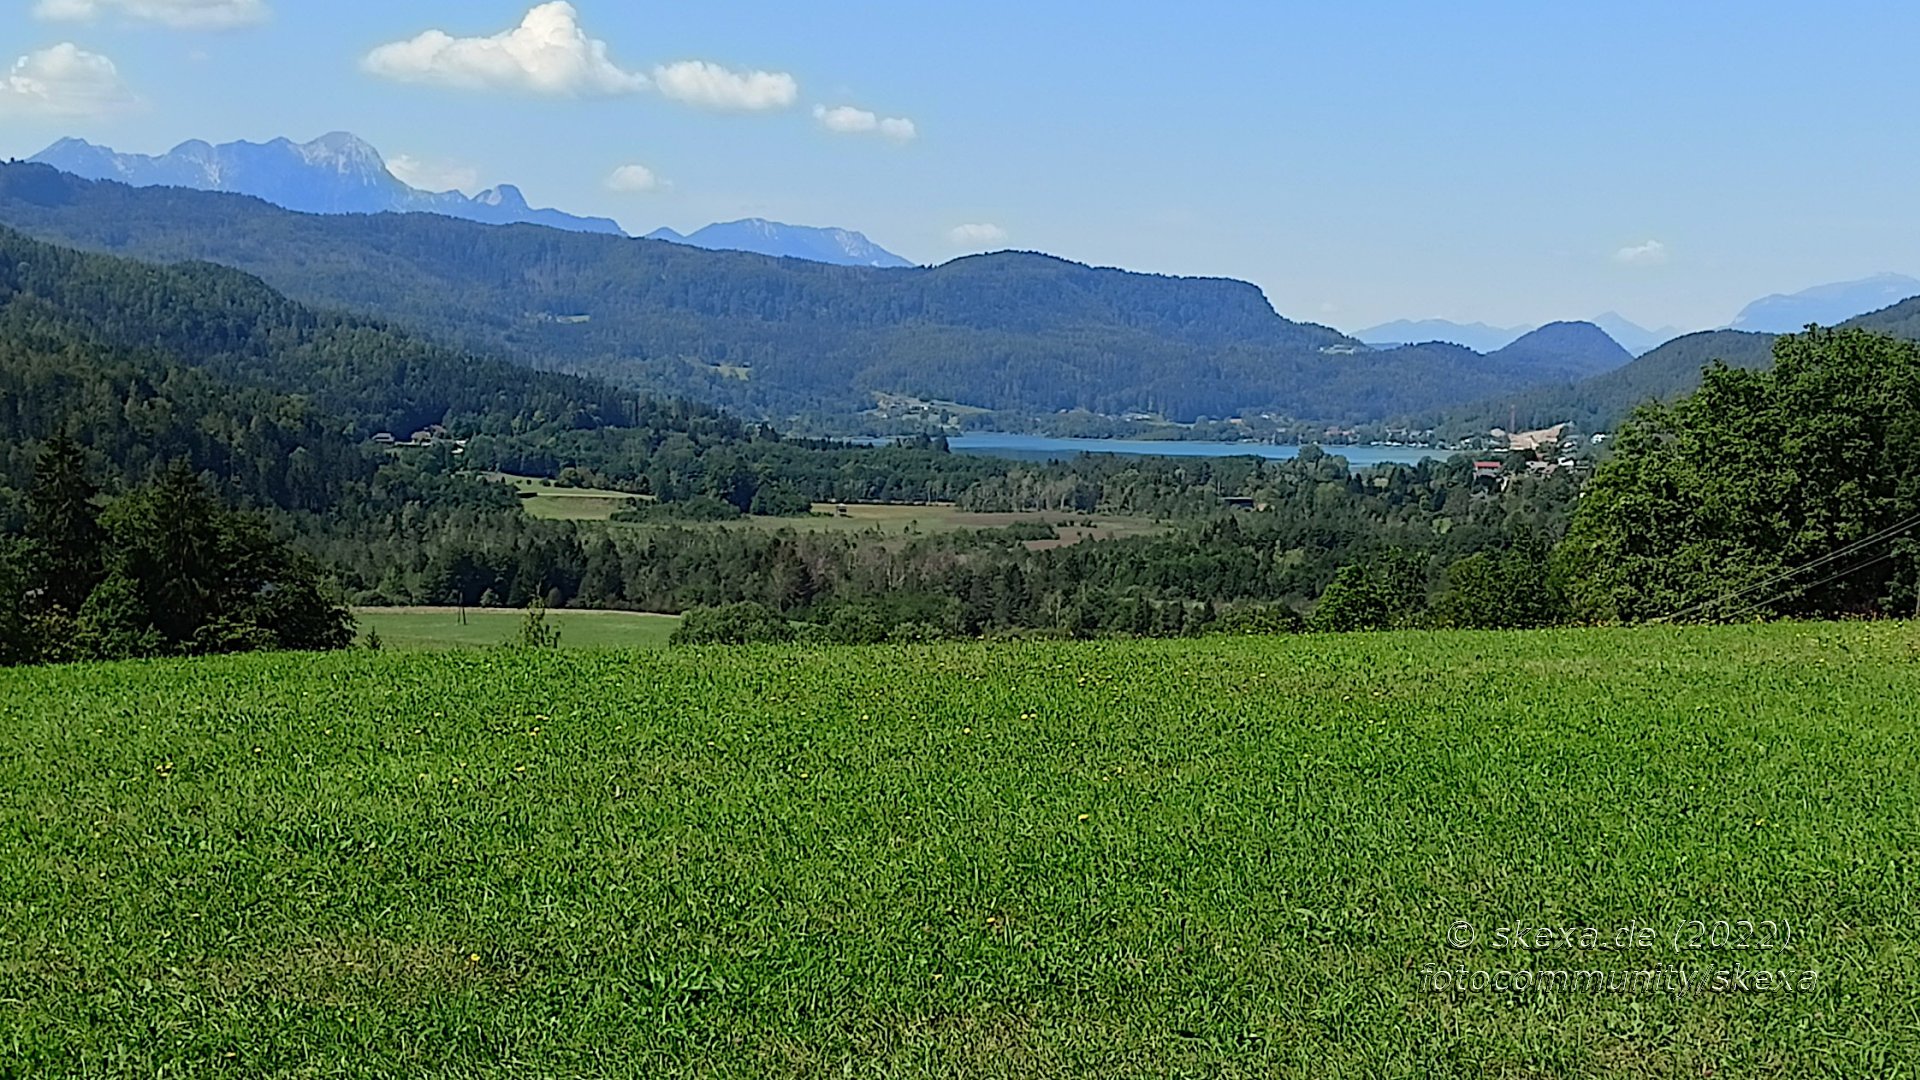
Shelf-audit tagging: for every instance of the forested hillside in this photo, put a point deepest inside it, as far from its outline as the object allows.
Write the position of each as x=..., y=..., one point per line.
x=1673, y=370
x=780, y=337
x=1574, y=350
x=235, y=327
x=1902, y=320
x=1603, y=401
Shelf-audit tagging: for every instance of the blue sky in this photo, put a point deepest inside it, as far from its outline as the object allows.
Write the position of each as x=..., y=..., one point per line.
x=1361, y=161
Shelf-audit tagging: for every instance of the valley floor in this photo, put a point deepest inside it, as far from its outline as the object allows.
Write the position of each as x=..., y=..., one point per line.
x=1223, y=857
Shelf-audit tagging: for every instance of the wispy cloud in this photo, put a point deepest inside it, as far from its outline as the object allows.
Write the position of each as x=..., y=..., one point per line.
x=634, y=179
x=710, y=86
x=1651, y=253
x=182, y=14
x=976, y=235
x=848, y=120
x=433, y=175
x=63, y=81
x=548, y=53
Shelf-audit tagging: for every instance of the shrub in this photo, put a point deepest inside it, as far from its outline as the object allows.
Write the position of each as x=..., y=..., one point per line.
x=697, y=508
x=535, y=633
x=745, y=623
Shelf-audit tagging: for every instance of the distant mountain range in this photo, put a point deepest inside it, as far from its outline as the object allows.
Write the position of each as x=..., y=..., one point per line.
x=1476, y=336
x=1600, y=402
x=1826, y=305
x=334, y=174
x=839, y=247
x=776, y=338
x=1483, y=338
x=1633, y=337
x=344, y=174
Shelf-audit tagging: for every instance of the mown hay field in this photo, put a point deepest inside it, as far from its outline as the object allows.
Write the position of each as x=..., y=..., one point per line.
x=1201, y=858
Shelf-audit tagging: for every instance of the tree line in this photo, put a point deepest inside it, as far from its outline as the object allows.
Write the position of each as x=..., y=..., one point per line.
x=161, y=570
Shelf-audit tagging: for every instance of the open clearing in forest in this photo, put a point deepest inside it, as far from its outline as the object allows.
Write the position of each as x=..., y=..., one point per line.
x=902, y=520
x=1216, y=857
x=541, y=499
x=544, y=501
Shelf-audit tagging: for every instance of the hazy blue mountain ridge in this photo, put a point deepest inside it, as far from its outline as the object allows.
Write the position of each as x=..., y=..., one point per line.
x=1477, y=336
x=1633, y=337
x=1483, y=338
x=334, y=174
x=838, y=247
x=1825, y=305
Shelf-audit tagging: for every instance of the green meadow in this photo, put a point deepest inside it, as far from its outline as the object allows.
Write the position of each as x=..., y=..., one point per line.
x=542, y=499
x=1206, y=858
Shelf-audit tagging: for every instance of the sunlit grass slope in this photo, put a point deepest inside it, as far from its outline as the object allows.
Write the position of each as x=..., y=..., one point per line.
x=1209, y=858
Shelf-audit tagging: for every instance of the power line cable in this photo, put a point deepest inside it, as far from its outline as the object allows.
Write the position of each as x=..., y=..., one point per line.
x=1840, y=553
x=1875, y=561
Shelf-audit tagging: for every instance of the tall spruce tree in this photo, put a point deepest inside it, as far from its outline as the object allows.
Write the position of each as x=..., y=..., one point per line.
x=63, y=526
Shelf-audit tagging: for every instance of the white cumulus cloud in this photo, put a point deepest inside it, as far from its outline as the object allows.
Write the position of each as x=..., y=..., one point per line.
x=710, y=86
x=548, y=53
x=847, y=120
x=64, y=81
x=1651, y=253
x=634, y=178
x=433, y=175
x=976, y=235
x=183, y=14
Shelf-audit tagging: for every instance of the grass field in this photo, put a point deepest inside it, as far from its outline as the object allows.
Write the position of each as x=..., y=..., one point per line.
x=900, y=520
x=1217, y=858
x=588, y=504
x=443, y=628
x=551, y=503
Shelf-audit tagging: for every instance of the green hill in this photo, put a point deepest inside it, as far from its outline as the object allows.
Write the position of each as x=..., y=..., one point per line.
x=1218, y=858
x=1564, y=350
x=147, y=363
x=234, y=327
x=1601, y=402
x=1901, y=320
x=1009, y=331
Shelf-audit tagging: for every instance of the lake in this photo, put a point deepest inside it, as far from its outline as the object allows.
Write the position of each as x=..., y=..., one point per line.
x=1045, y=448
